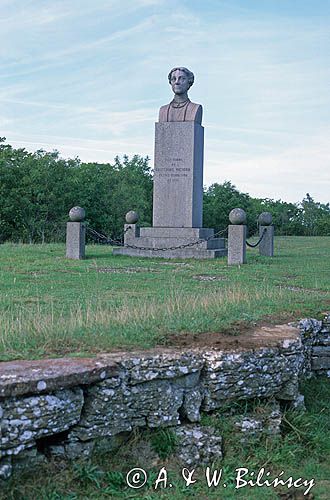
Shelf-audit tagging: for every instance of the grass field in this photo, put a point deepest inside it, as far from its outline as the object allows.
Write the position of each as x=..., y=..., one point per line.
x=52, y=306
x=302, y=452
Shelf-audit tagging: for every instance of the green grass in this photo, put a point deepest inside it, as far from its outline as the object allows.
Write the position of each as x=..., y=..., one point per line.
x=52, y=306
x=302, y=452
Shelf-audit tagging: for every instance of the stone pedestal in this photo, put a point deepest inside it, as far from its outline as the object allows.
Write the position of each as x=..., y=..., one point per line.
x=75, y=240
x=152, y=242
x=236, y=244
x=177, y=199
x=178, y=175
x=266, y=246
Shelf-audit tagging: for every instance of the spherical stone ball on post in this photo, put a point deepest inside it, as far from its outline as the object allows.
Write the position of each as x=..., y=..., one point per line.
x=132, y=217
x=237, y=216
x=237, y=237
x=266, y=231
x=77, y=214
x=76, y=234
x=265, y=219
x=131, y=229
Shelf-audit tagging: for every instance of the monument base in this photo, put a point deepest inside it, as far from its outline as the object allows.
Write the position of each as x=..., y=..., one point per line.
x=152, y=242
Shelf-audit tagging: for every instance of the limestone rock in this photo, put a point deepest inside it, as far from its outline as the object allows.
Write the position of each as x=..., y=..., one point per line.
x=264, y=420
x=112, y=407
x=5, y=468
x=192, y=402
x=249, y=374
x=26, y=419
x=28, y=458
x=316, y=341
x=198, y=445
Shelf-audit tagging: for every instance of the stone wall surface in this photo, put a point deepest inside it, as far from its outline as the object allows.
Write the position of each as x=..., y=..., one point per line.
x=26, y=419
x=71, y=407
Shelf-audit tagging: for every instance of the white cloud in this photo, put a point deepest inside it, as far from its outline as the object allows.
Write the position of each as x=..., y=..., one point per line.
x=4, y=122
x=118, y=122
x=287, y=174
x=87, y=150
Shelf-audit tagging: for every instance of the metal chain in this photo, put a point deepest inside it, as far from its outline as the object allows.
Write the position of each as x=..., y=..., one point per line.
x=105, y=240
x=186, y=245
x=101, y=238
x=258, y=242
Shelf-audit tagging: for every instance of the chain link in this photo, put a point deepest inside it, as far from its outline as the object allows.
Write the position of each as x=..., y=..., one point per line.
x=258, y=242
x=102, y=239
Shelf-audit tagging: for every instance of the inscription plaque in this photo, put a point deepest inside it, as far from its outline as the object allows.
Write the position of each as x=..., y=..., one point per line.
x=178, y=175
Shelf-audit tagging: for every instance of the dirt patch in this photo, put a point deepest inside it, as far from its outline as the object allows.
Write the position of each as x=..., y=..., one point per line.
x=67, y=271
x=177, y=264
x=207, y=277
x=239, y=336
x=125, y=270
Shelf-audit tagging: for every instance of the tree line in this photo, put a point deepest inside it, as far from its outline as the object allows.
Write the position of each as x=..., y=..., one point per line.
x=37, y=190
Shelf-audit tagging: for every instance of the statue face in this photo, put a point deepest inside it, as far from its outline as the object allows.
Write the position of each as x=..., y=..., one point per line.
x=179, y=82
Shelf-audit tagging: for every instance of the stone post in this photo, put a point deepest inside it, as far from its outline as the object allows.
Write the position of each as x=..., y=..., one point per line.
x=76, y=234
x=237, y=237
x=266, y=246
x=131, y=229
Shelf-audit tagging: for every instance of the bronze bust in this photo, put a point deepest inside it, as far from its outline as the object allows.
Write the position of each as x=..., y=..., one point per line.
x=181, y=109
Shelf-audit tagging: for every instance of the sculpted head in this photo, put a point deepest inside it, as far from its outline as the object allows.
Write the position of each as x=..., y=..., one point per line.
x=180, y=79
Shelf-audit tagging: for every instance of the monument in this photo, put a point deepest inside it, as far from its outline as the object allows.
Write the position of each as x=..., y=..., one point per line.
x=178, y=184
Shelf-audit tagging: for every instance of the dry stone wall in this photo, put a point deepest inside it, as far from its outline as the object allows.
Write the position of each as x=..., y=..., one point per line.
x=72, y=407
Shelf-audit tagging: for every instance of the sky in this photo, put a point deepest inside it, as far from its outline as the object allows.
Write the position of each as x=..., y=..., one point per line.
x=88, y=78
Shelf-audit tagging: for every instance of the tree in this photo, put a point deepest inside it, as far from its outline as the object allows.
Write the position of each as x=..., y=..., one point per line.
x=38, y=189
x=315, y=217
x=35, y=191
x=285, y=215
x=108, y=192
x=220, y=199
